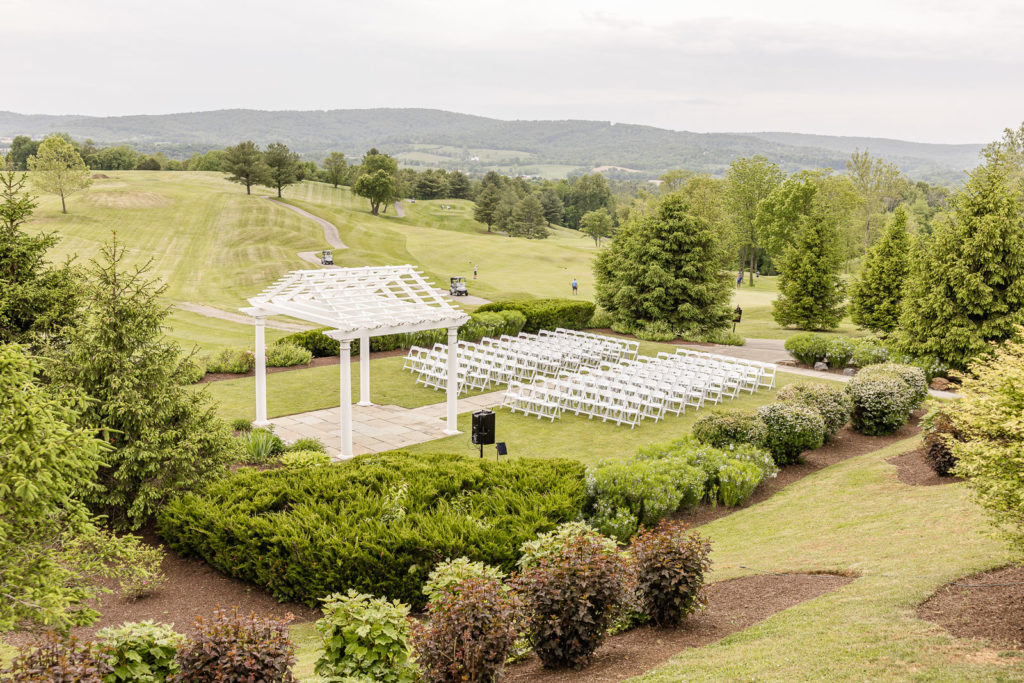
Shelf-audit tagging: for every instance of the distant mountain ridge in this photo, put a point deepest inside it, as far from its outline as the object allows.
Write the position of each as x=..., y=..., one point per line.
x=432, y=137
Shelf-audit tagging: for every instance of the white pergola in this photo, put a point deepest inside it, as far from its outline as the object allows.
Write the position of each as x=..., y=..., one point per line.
x=357, y=303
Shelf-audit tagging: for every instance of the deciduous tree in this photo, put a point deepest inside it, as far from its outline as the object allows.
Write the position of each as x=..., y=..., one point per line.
x=378, y=187
x=58, y=169
x=878, y=184
x=748, y=183
x=597, y=224
x=335, y=168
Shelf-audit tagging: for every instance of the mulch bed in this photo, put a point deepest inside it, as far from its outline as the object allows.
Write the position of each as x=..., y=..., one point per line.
x=913, y=469
x=732, y=606
x=317, y=362
x=987, y=605
x=844, y=445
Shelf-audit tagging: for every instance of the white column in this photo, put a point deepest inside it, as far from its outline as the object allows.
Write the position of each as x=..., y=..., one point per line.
x=453, y=381
x=345, y=360
x=261, y=373
x=364, y=371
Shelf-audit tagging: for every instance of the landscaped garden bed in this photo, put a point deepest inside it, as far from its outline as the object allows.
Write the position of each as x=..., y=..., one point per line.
x=984, y=605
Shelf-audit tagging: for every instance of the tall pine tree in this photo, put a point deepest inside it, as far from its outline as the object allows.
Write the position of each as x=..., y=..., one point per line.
x=967, y=289
x=667, y=267
x=876, y=296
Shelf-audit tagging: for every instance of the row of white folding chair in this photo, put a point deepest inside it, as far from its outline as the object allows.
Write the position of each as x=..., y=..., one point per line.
x=532, y=399
x=609, y=402
x=612, y=349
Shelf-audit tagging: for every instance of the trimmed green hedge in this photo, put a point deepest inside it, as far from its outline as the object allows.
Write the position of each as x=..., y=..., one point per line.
x=547, y=314
x=480, y=325
x=376, y=523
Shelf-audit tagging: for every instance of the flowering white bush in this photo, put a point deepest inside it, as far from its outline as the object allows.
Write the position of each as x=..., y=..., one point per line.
x=790, y=429
x=884, y=396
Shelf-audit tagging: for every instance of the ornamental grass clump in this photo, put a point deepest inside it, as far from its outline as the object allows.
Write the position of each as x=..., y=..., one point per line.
x=141, y=652
x=570, y=599
x=231, y=647
x=671, y=563
x=790, y=428
x=470, y=630
x=829, y=400
x=364, y=638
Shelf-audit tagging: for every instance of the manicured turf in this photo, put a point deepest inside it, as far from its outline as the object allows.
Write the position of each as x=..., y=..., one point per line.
x=209, y=334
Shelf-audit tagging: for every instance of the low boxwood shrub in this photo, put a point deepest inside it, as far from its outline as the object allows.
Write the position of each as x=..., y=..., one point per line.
x=232, y=361
x=232, y=647
x=299, y=459
x=831, y=401
x=671, y=563
x=285, y=355
x=622, y=494
x=364, y=638
x=722, y=429
x=547, y=314
x=451, y=573
x=807, y=347
x=939, y=430
x=789, y=429
x=570, y=598
x=375, y=523
x=141, y=652
x=884, y=396
x=54, y=659
x=316, y=342
x=469, y=632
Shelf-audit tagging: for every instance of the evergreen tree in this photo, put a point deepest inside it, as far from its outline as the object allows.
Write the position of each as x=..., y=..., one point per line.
x=666, y=267
x=485, y=210
x=165, y=438
x=811, y=290
x=528, y=219
x=967, y=288
x=282, y=165
x=58, y=169
x=458, y=185
x=245, y=165
x=36, y=300
x=876, y=296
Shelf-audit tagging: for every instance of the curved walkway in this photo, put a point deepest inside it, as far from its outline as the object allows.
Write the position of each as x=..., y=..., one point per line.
x=331, y=235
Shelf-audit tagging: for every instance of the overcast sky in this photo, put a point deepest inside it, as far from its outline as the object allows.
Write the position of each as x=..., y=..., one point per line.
x=929, y=70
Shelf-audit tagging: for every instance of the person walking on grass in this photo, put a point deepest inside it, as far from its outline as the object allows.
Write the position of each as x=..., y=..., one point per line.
x=474, y=271
x=575, y=285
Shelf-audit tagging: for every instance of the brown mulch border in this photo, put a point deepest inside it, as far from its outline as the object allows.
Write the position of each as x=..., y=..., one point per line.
x=912, y=468
x=317, y=362
x=732, y=606
x=985, y=605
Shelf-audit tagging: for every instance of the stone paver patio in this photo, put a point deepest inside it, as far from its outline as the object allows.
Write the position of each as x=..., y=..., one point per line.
x=378, y=427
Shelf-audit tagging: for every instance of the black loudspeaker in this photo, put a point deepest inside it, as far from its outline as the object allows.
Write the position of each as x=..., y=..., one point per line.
x=483, y=427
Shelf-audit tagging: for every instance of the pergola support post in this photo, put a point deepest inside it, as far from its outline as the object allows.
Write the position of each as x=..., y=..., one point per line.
x=261, y=372
x=452, y=408
x=364, y=371
x=345, y=361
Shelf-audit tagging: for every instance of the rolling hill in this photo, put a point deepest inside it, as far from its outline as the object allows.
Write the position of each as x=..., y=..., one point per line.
x=430, y=137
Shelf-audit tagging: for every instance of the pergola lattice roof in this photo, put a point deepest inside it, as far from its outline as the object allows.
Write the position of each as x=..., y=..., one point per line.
x=374, y=300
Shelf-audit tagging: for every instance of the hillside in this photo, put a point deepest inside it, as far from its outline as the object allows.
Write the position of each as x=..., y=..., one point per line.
x=431, y=137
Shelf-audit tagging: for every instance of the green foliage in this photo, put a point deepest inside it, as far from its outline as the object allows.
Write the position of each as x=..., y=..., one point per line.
x=36, y=300
x=260, y=446
x=335, y=168
x=597, y=224
x=307, y=443
x=666, y=267
x=940, y=431
x=50, y=545
x=300, y=459
x=165, y=437
x=600, y=319
x=648, y=489
x=141, y=652
x=450, y=573
x=241, y=424
x=839, y=352
x=58, y=169
x=193, y=370
x=552, y=542
x=528, y=219
x=58, y=660
x=749, y=182
x=671, y=565
x=808, y=348
x=967, y=285
x=570, y=599
x=990, y=452
x=245, y=165
x=375, y=523
x=656, y=331
x=316, y=342
x=469, y=633
x=868, y=352
x=876, y=296
x=236, y=648
x=883, y=397
x=284, y=355
x=811, y=290
x=379, y=187
x=139, y=571
x=282, y=166
x=789, y=429
x=737, y=481
x=364, y=638
x=723, y=429
x=546, y=314
x=831, y=402
x=232, y=361
x=723, y=336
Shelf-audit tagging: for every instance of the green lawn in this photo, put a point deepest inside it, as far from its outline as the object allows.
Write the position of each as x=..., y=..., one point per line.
x=756, y=303
x=209, y=334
